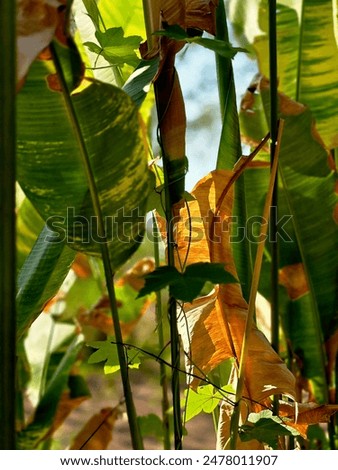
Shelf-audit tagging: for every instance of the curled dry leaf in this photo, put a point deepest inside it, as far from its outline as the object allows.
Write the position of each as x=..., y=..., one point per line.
x=306, y=414
x=135, y=275
x=216, y=322
x=37, y=21
x=97, y=432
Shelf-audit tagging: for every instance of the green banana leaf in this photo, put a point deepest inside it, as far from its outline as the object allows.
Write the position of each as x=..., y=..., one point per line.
x=299, y=317
x=230, y=150
x=57, y=134
x=307, y=53
x=40, y=278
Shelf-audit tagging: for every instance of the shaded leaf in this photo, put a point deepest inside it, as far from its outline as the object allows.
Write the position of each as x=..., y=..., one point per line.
x=301, y=416
x=293, y=278
x=188, y=284
x=67, y=404
x=265, y=427
x=40, y=278
x=151, y=425
x=140, y=80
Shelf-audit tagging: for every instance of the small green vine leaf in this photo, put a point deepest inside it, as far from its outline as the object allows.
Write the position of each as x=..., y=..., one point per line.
x=204, y=399
x=115, y=47
x=186, y=286
x=106, y=351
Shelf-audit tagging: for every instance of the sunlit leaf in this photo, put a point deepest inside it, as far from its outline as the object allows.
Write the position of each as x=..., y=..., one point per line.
x=29, y=225
x=107, y=352
x=212, y=327
x=115, y=151
x=115, y=48
x=204, y=399
x=307, y=198
x=307, y=58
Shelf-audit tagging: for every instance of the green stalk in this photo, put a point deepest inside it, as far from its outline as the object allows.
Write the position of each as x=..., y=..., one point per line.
x=172, y=313
x=8, y=225
x=252, y=300
x=274, y=202
x=136, y=436
x=230, y=149
x=230, y=146
x=163, y=374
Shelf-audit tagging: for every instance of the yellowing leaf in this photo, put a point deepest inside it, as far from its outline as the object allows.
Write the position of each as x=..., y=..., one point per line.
x=97, y=432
